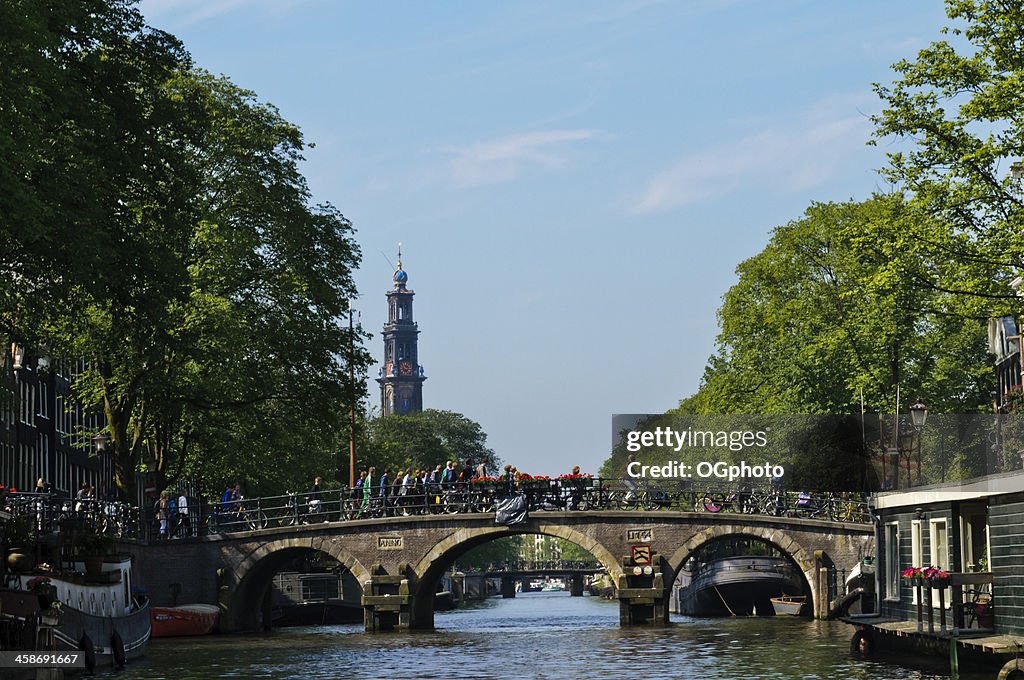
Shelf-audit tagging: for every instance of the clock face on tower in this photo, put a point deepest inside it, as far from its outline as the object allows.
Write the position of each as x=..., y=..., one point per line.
x=405, y=368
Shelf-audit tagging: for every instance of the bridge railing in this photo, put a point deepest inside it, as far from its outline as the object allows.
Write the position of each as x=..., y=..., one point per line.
x=519, y=566
x=46, y=513
x=580, y=494
x=573, y=494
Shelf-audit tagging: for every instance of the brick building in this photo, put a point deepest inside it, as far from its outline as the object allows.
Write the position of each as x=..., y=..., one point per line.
x=44, y=430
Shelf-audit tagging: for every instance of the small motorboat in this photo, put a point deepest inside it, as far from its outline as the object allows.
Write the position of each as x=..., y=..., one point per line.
x=789, y=604
x=188, y=619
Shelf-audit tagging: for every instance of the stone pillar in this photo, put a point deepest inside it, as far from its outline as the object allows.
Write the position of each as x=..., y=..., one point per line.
x=387, y=599
x=508, y=587
x=576, y=585
x=643, y=598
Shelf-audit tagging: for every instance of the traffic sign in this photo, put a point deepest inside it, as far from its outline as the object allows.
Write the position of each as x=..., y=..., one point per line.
x=641, y=554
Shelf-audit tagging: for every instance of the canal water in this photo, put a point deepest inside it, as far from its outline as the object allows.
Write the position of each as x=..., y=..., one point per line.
x=535, y=635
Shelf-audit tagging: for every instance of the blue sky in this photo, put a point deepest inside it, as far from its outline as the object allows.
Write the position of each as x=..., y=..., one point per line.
x=573, y=183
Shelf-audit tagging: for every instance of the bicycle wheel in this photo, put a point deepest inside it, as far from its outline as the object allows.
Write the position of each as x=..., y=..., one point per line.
x=287, y=518
x=712, y=502
x=255, y=519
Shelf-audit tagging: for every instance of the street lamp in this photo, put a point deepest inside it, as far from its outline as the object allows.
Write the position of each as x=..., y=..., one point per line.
x=919, y=416
x=100, y=442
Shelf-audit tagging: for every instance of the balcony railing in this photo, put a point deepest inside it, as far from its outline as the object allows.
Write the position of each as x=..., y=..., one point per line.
x=973, y=605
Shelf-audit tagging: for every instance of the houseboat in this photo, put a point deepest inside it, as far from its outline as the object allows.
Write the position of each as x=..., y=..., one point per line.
x=948, y=573
x=736, y=577
x=99, y=613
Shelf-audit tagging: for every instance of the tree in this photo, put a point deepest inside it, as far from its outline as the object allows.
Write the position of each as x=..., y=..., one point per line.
x=425, y=440
x=829, y=311
x=959, y=103
x=156, y=222
x=250, y=339
x=82, y=116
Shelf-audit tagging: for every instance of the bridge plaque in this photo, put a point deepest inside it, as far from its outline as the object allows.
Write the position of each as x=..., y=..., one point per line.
x=390, y=542
x=639, y=535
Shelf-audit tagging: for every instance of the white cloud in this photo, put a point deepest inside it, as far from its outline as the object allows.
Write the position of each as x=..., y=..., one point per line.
x=794, y=156
x=506, y=158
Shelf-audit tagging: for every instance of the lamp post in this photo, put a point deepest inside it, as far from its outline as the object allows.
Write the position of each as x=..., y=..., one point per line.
x=918, y=416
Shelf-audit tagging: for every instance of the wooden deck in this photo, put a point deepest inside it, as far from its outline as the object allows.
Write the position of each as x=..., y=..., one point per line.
x=969, y=639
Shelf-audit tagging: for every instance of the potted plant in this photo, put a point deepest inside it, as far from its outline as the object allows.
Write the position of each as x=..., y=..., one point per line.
x=19, y=537
x=938, y=578
x=913, y=574
x=92, y=548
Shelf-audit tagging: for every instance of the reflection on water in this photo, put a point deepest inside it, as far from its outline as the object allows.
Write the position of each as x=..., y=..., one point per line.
x=535, y=635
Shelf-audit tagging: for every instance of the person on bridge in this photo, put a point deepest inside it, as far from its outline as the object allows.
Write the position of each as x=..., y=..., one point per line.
x=575, y=484
x=384, y=491
x=313, y=500
x=405, y=495
x=367, y=491
x=161, y=512
x=434, y=488
x=184, y=520
x=356, y=494
x=397, y=491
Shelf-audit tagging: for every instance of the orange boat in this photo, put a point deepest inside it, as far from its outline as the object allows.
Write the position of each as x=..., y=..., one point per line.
x=188, y=619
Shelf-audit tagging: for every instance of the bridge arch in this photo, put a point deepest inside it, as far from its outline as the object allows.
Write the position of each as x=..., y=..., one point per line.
x=245, y=589
x=803, y=558
x=430, y=568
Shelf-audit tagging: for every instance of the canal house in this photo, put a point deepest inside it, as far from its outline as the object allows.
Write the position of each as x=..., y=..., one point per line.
x=951, y=565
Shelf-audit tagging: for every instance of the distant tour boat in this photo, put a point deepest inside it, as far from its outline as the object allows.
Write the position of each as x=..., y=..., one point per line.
x=188, y=619
x=789, y=604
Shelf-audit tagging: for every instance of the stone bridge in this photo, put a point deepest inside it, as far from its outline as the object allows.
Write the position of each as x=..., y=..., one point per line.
x=398, y=561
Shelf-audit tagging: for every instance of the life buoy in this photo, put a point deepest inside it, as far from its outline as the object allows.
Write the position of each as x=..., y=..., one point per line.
x=117, y=647
x=1013, y=670
x=85, y=644
x=862, y=642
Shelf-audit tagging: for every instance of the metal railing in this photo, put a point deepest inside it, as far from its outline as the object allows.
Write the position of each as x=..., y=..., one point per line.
x=530, y=566
x=580, y=494
x=48, y=513
x=573, y=495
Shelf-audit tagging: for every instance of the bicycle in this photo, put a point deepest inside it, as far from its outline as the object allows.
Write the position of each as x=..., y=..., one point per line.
x=631, y=499
x=737, y=501
x=850, y=511
x=812, y=506
x=242, y=518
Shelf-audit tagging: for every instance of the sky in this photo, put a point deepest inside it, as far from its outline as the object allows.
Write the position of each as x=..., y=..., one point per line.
x=573, y=183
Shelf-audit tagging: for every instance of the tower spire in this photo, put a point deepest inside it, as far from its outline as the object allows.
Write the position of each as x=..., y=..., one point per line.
x=401, y=377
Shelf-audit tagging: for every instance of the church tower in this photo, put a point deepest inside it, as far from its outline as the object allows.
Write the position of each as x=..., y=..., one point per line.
x=401, y=378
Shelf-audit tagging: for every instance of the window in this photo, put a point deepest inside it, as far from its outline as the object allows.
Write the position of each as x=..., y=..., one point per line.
x=892, y=561
x=916, y=550
x=43, y=399
x=939, y=541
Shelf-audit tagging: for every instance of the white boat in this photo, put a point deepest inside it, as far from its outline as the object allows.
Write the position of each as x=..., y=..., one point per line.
x=98, y=613
x=790, y=605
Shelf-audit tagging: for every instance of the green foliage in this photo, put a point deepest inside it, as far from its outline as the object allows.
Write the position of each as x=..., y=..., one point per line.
x=424, y=440
x=498, y=551
x=959, y=104
x=162, y=229
x=832, y=309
